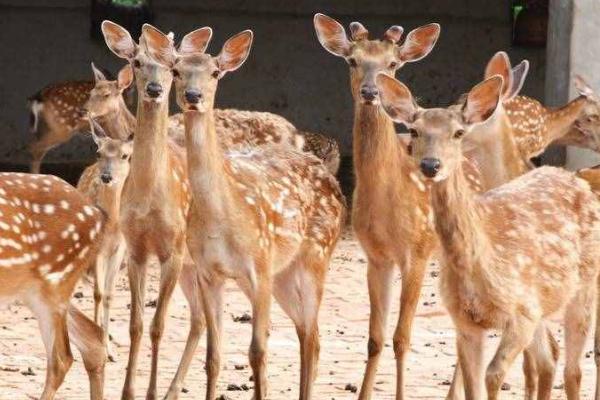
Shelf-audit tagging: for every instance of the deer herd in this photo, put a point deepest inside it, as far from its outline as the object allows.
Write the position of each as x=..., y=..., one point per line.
x=213, y=195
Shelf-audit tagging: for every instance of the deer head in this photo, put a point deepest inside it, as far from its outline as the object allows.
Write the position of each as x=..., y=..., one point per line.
x=437, y=133
x=368, y=58
x=105, y=97
x=197, y=74
x=113, y=155
x=153, y=76
x=589, y=122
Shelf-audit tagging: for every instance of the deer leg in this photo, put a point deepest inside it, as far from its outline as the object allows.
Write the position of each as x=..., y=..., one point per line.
x=137, y=285
x=578, y=317
x=379, y=277
x=211, y=290
x=516, y=335
x=37, y=151
x=99, y=278
x=112, y=269
x=169, y=276
x=412, y=281
x=87, y=337
x=469, y=344
x=457, y=388
x=191, y=289
x=542, y=357
x=299, y=293
x=53, y=325
x=261, y=305
x=597, y=341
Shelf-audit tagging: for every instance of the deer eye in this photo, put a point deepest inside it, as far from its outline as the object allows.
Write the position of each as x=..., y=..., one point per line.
x=124, y=157
x=413, y=133
x=98, y=155
x=136, y=63
x=458, y=134
x=176, y=73
x=215, y=74
x=393, y=64
x=352, y=62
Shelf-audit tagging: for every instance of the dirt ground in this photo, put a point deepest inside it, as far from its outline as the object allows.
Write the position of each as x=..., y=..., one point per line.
x=343, y=325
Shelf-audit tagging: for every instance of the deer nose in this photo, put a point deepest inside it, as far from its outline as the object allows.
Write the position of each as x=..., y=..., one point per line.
x=153, y=89
x=369, y=93
x=430, y=167
x=106, y=178
x=193, y=96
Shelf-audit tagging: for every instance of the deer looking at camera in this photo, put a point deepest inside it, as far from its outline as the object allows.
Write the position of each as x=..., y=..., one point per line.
x=49, y=233
x=511, y=256
x=155, y=199
x=267, y=217
x=401, y=235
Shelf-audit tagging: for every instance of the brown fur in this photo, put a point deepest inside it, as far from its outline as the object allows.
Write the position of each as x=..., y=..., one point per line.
x=50, y=233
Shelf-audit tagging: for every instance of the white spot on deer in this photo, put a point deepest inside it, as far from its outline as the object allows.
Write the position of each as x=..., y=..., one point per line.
x=64, y=204
x=80, y=217
x=46, y=249
x=250, y=200
x=49, y=209
x=88, y=210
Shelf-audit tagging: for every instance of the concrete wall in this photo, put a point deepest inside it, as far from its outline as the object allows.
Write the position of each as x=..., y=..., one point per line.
x=288, y=71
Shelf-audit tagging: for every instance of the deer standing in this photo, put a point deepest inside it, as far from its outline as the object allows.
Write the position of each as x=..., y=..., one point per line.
x=401, y=235
x=511, y=256
x=155, y=199
x=267, y=217
x=49, y=232
x=55, y=116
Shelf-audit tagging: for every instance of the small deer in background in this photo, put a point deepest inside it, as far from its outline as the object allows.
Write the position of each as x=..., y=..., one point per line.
x=103, y=182
x=391, y=214
x=49, y=234
x=511, y=256
x=267, y=217
x=56, y=115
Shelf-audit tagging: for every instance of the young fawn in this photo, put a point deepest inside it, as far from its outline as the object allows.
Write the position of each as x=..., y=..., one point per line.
x=49, y=234
x=103, y=182
x=267, y=217
x=401, y=235
x=155, y=199
x=511, y=256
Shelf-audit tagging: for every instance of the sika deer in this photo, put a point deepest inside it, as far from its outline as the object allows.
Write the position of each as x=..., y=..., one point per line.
x=103, y=182
x=511, y=256
x=400, y=235
x=49, y=233
x=155, y=198
x=267, y=217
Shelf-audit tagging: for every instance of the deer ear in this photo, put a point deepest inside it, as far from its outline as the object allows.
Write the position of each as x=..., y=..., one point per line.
x=396, y=99
x=419, y=43
x=98, y=74
x=98, y=133
x=331, y=35
x=235, y=51
x=394, y=33
x=519, y=73
x=483, y=100
x=159, y=45
x=499, y=64
x=125, y=77
x=118, y=40
x=582, y=87
x=195, y=41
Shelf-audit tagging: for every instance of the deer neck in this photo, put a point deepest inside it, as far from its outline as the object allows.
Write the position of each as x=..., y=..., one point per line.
x=149, y=161
x=109, y=199
x=376, y=147
x=560, y=121
x=206, y=167
x=495, y=151
x=459, y=223
x=574, y=137
x=120, y=124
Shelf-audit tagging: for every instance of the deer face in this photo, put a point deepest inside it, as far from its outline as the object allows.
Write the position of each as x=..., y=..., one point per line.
x=105, y=97
x=113, y=156
x=589, y=121
x=436, y=133
x=152, y=73
x=369, y=58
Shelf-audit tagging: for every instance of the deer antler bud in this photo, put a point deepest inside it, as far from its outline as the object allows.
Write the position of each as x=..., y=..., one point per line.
x=393, y=34
x=358, y=31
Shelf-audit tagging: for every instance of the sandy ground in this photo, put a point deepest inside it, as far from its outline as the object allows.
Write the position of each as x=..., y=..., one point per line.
x=343, y=324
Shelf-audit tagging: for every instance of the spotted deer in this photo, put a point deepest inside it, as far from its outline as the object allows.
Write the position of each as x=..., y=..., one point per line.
x=155, y=198
x=267, y=217
x=401, y=235
x=48, y=234
x=103, y=182
x=56, y=115
x=511, y=256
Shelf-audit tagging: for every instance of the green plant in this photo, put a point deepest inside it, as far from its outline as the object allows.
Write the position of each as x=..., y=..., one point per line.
x=129, y=3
